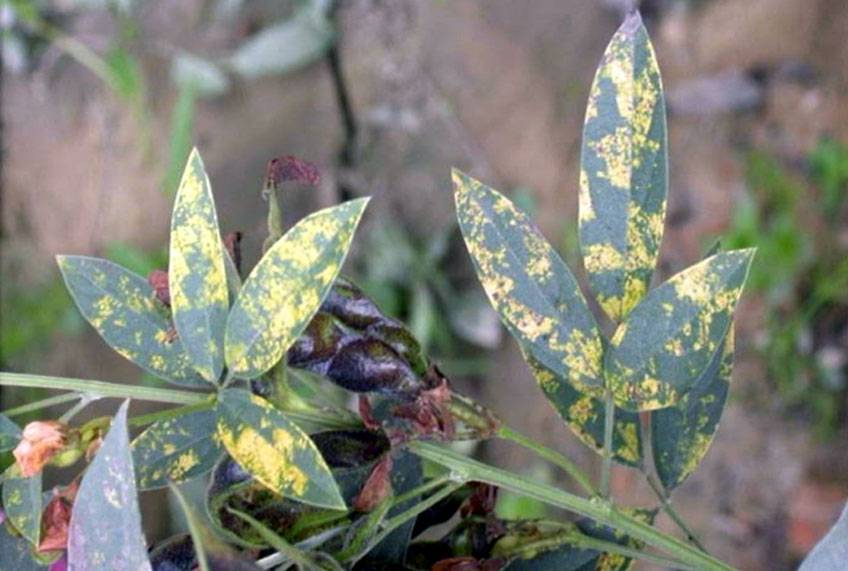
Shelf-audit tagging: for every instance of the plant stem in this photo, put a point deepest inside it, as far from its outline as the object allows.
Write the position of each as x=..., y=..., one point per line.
x=282, y=546
x=507, y=433
x=571, y=536
x=102, y=389
x=194, y=528
x=601, y=511
x=195, y=400
x=40, y=404
x=668, y=509
x=423, y=489
x=422, y=506
x=610, y=547
x=170, y=413
x=609, y=425
x=85, y=399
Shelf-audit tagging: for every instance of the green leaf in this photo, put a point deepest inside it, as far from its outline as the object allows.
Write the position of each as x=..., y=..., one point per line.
x=624, y=173
x=531, y=288
x=196, y=273
x=657, y=355
x=123, y=309
x=407, y=474
x=585, y=415
x=22, y=502
x=176, y=450
x=105, y=528
x=286, y=288
x=195, y=528
x=15, y=552
x=10, y=434
x=682, y=434
x=274, y=450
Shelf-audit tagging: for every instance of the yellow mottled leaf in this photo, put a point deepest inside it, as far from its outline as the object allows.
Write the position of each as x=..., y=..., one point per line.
x=658, y=354
x=274, y=450
x=623, y=176
x=196, y=274
x=286, y=288
x=533, y=291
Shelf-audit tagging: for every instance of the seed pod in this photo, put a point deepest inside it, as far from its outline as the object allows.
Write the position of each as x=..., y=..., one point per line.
x=369, y=365
x=318, y=344
x=351, y=306
x=399, y=338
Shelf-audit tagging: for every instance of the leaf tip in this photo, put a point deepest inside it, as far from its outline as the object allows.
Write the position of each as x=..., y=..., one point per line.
x=194, y=155
x=460, y=179
x=632, y=23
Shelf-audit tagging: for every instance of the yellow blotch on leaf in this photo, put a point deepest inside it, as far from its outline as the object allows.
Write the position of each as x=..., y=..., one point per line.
x=272, y=464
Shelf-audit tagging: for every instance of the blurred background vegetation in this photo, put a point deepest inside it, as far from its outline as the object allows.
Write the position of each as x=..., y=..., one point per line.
x=103, y=99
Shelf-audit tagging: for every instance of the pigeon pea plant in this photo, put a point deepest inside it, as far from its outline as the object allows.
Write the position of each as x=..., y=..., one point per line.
x=296, y=479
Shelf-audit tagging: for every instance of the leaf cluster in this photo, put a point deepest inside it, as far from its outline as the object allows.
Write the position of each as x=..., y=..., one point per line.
x=296, y=479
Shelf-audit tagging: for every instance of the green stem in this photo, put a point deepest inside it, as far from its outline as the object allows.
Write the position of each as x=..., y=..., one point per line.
x=599, y=510
x=609, y=425
x=610, y=547
x=403, y=517
x=151, y=394
x=102, y=389
x=40, y=404
x=170, y=413
x=669, y=510
x=282, y=546
x=85, y=399
x=355, y=547
x=507, y=433
x=194, y=528
x=422, y=489
x=570, y=536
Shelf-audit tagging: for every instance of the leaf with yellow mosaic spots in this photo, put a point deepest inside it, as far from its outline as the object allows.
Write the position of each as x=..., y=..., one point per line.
x=682, y=434
x=658, y=354
x=176, y=450
x=585, y=414
x=623, y=175
x=286, y=288
x=22, y=503
x=274, y=450
x=123, y=308
x=530, y=286
x=196, y=272
x=105, y=530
